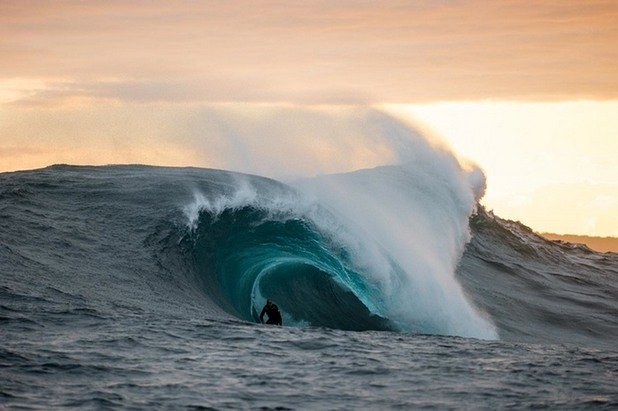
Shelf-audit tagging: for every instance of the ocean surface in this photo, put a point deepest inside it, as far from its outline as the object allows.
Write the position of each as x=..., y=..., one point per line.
x=139, y=287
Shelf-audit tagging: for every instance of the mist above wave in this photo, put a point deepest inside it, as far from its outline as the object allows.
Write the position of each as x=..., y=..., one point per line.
x=404, y=219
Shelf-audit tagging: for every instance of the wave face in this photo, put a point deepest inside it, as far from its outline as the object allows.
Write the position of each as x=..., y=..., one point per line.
x=246, y=254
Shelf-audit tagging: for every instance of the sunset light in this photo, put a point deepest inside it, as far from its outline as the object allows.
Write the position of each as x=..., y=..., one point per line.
x=309, y=205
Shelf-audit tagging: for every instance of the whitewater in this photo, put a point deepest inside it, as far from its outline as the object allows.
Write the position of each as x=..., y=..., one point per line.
x=140, y=287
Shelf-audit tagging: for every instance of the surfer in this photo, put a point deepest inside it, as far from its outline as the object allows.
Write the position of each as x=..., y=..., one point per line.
x=274, y=316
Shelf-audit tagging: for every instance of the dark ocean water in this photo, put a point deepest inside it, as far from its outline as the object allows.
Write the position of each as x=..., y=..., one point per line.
x=137, y=287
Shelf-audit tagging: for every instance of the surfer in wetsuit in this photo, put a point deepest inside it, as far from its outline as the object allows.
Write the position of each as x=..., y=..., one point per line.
x=274, y=316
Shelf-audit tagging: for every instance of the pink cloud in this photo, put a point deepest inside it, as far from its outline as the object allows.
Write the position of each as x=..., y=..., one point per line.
x=294, y=52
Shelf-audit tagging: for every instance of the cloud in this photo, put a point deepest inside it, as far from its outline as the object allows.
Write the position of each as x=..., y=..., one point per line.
x=59, y=92
x=320, y=51
x=210, y=90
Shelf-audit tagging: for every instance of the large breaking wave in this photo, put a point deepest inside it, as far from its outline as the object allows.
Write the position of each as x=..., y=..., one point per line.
x=388, y=247
x=365, y=250
x=375, y=248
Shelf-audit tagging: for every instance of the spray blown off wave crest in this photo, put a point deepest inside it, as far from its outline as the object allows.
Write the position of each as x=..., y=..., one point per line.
x=370, y=249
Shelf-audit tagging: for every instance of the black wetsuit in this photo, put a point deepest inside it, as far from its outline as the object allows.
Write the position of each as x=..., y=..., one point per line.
x=274, y=316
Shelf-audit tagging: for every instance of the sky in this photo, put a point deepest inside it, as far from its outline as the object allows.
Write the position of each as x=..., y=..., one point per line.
x=528, y=90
